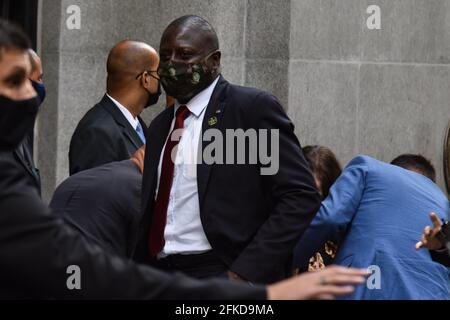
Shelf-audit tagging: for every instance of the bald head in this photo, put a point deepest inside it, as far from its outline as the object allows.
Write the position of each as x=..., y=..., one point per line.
x=127, y=60
x=195, y=25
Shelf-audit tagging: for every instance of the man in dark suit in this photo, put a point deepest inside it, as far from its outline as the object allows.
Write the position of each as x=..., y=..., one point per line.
x=104, y=203
x=24, y=153
x=38, y=251
x=219, y=219
x=112, y=130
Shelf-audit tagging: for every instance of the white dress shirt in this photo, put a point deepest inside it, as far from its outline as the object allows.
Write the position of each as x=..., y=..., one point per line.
x=184, y=232
x=134, y=121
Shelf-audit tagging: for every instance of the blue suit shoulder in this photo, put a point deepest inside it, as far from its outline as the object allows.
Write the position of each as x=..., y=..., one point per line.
x=364, y=160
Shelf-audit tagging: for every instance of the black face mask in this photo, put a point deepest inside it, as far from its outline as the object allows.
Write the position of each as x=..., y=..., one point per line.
x=16, y=120
x=154, y=97
x=183, y=81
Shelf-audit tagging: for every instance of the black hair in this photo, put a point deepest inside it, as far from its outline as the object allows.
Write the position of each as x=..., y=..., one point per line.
x=324, y=165
x=416, y=162
x=12, y=37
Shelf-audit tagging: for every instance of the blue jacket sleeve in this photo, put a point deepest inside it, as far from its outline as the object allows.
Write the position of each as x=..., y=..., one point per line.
x=336, y=212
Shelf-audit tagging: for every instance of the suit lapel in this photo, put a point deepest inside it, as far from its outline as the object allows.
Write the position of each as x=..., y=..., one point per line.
x=20, y=155
x=127, y=130
x=132, y=135
x=153, y=154
x=212, y=120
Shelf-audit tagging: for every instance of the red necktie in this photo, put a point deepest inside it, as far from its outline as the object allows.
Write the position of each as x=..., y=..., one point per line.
x=156, y=237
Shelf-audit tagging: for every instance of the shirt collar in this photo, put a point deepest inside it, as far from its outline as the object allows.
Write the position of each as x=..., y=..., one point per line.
x=134, y=121
x=199, y=103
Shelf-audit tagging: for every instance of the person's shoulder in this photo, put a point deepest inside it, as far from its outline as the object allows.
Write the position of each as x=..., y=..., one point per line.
x=363, y=159
x=249, y=93
x=122, y=168
x=96, y=122
x=105, y=175
x=251, y=100
x=128, y=174
x=96, y=115
x=246, y=91
x=120, y=175
x=365, y=162
x=116, y=171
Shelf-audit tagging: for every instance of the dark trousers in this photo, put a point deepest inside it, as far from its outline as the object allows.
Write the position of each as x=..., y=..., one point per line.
x=199, y=266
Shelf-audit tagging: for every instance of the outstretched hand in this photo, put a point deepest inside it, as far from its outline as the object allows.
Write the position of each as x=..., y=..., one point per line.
x=326, y=284
x=429, y=238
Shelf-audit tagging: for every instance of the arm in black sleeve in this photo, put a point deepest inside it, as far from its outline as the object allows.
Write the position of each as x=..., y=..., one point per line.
x=36, y=248
x=294, y=191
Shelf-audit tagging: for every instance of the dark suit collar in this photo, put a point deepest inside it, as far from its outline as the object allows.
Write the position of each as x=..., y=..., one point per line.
x=20, y=155
x=26, y=160
x=120, y=119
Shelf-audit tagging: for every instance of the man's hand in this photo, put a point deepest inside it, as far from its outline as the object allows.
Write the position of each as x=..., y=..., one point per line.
x=429, y=239
x=326, y=284
x=138, y=158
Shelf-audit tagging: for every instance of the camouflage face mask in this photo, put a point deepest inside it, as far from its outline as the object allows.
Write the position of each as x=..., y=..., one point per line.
x=184, y=80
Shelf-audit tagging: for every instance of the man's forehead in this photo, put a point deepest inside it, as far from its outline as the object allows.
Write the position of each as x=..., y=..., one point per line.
x=184, y=37
x=12, y=60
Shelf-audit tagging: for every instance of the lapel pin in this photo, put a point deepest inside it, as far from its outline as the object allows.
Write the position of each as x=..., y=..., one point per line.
x=213, y=121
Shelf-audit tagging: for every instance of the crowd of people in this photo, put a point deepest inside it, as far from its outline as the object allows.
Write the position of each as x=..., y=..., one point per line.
x=140, y=207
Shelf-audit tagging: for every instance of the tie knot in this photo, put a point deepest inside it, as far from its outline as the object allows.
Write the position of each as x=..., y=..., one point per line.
x=182, y=113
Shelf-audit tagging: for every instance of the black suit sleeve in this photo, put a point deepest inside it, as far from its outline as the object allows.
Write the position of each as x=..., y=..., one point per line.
x=295, y=194
x=37, y=248
x=92, y=147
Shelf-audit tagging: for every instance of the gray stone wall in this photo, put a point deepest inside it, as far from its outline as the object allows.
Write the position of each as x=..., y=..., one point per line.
x=378, y=92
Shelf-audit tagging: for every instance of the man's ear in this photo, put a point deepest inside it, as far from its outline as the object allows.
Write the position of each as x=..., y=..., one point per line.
x=145, y=80
x=215, y=58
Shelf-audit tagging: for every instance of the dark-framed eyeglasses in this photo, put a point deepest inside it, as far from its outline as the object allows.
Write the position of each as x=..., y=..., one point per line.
x=149, y=73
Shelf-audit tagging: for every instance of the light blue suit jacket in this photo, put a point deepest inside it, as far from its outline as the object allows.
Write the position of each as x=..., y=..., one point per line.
x=378, y=212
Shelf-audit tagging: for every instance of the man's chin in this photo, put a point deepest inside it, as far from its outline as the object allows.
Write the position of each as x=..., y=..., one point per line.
x=184, y=99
